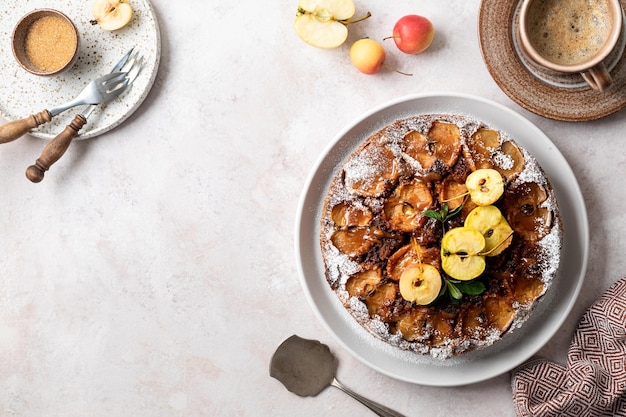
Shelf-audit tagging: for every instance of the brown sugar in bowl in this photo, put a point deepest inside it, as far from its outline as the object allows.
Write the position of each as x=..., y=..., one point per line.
x=45, y=42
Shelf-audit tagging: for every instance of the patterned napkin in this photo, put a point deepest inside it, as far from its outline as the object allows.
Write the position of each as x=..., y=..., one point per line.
x=593, y=384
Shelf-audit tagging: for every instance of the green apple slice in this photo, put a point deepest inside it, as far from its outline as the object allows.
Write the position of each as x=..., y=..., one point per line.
x=420, y=284
x=485, y=186
x=490, y=222
x=322, y=23
x=460, y=253
x=500, y=238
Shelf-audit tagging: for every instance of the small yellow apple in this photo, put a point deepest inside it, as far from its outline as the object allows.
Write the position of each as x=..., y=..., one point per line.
x=367, y=56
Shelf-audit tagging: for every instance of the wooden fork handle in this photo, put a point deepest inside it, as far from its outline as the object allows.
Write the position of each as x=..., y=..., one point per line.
x=13, y=130
x=55, y=149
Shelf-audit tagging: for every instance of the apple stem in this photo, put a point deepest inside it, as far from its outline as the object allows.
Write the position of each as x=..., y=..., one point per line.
x=416, y=248
x=391, y=37
x=497, y=246
x=395, y=70
x=456, y=196
x=348, y=21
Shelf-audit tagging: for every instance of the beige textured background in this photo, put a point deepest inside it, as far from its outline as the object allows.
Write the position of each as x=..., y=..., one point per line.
x=152, y=273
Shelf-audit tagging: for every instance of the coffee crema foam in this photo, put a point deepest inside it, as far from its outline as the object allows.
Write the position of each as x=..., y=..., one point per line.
x=569, y=32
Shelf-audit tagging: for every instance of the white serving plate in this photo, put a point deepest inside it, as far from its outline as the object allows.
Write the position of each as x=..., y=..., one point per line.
x=515, y=347
x=23, y=94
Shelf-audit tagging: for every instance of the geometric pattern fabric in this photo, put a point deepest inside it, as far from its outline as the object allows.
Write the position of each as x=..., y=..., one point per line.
x=593, y=384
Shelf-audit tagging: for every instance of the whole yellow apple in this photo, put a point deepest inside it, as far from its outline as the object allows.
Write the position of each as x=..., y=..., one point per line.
x=367, y=56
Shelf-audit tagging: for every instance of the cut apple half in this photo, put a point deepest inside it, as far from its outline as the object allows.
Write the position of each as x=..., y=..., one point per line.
x=485, y=186
x=112, y=14
x=460, y=253
x=322, y=23
x=420, y=284
x=490, y=222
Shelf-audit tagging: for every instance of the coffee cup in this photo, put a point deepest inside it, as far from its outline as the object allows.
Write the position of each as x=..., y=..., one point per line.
x=572, y=36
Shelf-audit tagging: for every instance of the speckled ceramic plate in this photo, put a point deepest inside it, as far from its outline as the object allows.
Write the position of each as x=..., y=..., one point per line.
x=565, y=98
x=22, y=93
x=515, y=347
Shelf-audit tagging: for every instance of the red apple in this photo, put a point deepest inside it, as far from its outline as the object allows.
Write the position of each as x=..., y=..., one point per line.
x=413, y=34
x=367, y=56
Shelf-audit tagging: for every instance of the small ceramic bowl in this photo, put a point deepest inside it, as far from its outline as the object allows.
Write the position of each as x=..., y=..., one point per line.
x=45, y=42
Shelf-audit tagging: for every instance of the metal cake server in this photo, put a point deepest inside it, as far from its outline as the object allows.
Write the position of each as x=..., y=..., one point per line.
x=306, y=367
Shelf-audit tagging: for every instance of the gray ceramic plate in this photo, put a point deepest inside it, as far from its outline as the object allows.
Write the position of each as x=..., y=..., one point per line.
x=566, y=98
x=515, y=347
x=22, y=93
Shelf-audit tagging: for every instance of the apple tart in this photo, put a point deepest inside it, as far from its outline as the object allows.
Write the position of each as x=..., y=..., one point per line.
x=440, y=234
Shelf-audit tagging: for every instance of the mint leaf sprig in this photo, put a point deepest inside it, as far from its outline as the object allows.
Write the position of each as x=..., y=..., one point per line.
x=454, y=288
x=443, y=214
x=457, y=289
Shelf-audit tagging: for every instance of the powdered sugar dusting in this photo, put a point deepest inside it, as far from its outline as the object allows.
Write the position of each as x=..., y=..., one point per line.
x=502, y=160
x=551, y=254
x=532, y=171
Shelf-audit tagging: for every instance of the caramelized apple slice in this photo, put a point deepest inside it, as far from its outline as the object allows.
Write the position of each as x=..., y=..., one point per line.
x=509, y=161
x=372, y=171
x=499, y=311
x=525, y=211
x=404, y=209
x=380, y=303
x=409, y=256
x=434, y=328
x=481, y=147
x=345, y=214
x=364, y=283
x=413, y=324
x=354, y=241
x=472, y=320
x=527, y=289
x=443, y=328
x=451, y=192
x=442, y=143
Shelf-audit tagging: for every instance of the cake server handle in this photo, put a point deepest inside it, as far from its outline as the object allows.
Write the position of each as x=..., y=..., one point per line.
x=378, y=409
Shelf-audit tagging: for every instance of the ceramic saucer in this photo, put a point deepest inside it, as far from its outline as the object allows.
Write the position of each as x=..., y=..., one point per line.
x=551, y=95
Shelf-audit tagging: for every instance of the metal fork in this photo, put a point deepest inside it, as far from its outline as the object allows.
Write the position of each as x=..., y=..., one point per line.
x=100, y=90
x=55, y=149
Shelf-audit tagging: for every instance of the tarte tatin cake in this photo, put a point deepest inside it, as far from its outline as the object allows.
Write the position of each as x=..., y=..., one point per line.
x=440, y=234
